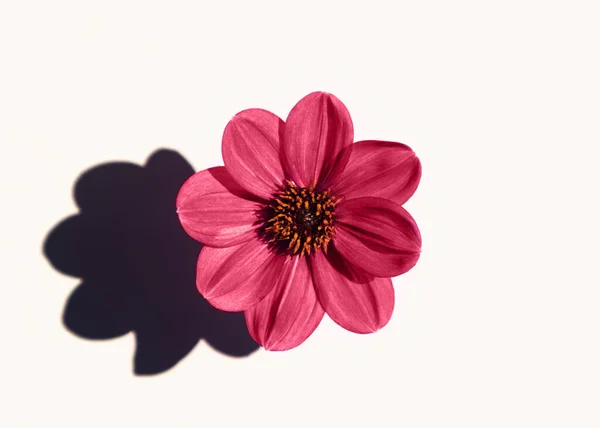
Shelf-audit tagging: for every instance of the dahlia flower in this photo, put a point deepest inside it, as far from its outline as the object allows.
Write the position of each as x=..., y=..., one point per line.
x=302, y=221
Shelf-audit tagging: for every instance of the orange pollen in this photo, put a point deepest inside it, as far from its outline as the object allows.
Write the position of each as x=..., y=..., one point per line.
x=300, y=220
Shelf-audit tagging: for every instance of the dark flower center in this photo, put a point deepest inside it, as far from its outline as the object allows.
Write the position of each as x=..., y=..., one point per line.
x=300, y=220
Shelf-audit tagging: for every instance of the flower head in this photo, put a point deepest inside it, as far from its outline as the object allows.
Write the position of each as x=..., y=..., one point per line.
x=301, y=221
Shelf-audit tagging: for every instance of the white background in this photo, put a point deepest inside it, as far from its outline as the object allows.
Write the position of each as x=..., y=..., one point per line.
x=498, y=324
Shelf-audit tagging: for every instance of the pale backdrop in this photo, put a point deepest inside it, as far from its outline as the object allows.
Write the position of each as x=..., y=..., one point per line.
x=496, y=326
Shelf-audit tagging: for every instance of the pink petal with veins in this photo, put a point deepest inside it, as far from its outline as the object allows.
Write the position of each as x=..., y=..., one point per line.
x=237, y=278
x=251, y=150
x=290, y=313
x=377, y=235
x=381, y=169
x=317, y=129
x=359, y=303
x=213, y=209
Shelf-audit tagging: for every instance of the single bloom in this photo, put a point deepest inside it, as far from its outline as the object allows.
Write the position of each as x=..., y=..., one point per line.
x=301, y=221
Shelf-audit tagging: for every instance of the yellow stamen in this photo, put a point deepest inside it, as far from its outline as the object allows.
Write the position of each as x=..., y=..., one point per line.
x=302, y=218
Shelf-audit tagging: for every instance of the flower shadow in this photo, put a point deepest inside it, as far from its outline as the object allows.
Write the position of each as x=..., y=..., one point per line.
x=138, y=266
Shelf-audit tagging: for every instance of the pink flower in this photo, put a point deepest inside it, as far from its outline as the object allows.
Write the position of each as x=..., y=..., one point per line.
x=301, y=221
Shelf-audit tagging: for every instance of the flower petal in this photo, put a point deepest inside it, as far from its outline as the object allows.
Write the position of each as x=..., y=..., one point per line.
x=381, y=169
x=290, y=313
x=251, y=151
x=377, y=235
x=214, y=209
x=317, y=129
x=360, y=305
x=236, y=278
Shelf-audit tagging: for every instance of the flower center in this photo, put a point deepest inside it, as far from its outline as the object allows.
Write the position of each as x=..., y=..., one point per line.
x=300, y=219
